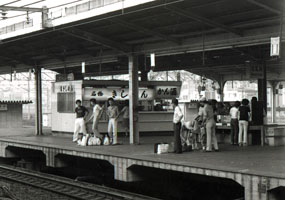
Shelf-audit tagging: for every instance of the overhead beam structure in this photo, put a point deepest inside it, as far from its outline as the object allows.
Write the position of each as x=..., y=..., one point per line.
x=146, y=31
x=192, y=15
x=97, y=39
x=265, y=6
x=25, y=9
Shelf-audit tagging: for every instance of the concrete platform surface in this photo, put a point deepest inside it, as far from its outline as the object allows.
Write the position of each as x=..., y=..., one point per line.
x=253, y=160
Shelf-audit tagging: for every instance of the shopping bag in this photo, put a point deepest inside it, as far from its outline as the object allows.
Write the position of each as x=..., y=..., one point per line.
x=106, y=141
x=160, y=148
x=93, y=140
x=84, y=140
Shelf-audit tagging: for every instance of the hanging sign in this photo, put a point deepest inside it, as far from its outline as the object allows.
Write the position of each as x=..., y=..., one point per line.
x=167, y=92
x=3, y=107
x=275, y=46
x=256, y=71
x=116, y=93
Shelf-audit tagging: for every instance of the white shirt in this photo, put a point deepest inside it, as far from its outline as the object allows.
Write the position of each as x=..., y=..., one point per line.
x=234, y=113
x=96, y=111
x=177, y=115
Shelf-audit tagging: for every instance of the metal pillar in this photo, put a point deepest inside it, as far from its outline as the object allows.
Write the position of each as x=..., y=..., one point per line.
x=273, y=100
x=144, y=75
x=133, y=99
x=262, y=88
x=38, y=103
x=222, y=84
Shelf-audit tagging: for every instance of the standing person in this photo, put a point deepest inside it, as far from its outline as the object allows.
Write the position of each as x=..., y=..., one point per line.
x=177, y=117
x=125, y=111
x=96, y=115
x=81, y=114
x=244, y=115
x=203, y=135
x=112, y=113
x=209, y=121
x=234, y=123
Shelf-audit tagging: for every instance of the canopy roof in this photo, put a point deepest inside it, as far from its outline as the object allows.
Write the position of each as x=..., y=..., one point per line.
x=215, y=38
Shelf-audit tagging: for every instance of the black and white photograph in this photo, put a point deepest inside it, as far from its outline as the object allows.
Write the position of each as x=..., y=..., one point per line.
x=142, y=100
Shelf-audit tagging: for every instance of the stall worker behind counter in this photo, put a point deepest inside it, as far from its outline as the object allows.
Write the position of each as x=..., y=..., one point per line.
x=81, y=114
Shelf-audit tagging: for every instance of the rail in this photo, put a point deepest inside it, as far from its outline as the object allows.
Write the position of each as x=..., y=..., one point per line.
x=64, y=186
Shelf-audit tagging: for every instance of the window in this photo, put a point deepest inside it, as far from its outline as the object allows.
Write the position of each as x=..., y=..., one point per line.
x=66, y=102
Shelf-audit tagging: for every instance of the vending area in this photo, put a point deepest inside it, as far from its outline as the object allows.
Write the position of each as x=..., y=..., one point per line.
x=155, y=112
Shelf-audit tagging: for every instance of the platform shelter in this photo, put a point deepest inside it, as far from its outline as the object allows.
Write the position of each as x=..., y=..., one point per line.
x=221, y=40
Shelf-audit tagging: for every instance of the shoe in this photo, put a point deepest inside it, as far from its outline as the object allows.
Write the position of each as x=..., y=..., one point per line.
x=216, y=150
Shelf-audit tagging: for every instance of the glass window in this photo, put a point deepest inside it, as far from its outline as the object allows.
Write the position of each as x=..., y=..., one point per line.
x=65, y=102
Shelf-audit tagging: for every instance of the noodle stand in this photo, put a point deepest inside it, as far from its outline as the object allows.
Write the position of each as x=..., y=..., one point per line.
x=155, y=113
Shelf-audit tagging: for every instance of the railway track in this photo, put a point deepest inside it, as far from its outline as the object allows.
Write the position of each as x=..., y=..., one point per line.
x=64, y=186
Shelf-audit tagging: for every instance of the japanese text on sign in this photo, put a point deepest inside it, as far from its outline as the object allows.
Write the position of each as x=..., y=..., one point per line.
x=66, y=88
x=167, y=91
x=116, y=93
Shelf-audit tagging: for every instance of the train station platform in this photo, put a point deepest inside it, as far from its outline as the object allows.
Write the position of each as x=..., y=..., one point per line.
x=257, y=169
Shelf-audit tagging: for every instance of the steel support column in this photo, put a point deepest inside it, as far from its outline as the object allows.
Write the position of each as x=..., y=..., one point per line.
x=133, y=99
x=273, y=100
x=262, y=88
x=222, y=84
x=38, y=103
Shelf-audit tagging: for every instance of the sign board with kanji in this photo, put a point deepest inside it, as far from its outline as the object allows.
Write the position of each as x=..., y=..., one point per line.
x=167, y=92
x=102, y=94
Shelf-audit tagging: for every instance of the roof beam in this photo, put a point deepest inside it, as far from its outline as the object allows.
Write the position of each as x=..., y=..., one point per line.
x=265, y=6
x=191, y=15
x=97, y=39
x=146, y=30
x=26, y=9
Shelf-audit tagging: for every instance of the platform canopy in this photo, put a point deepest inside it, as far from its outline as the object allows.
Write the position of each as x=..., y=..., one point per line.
x=214, y=38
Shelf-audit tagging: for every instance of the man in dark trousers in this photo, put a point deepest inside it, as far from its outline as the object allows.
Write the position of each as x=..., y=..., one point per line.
x=81, y=113
x=177, y=117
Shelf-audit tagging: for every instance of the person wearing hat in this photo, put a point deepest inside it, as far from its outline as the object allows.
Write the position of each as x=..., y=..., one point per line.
x=177, y=117
x=207, y=113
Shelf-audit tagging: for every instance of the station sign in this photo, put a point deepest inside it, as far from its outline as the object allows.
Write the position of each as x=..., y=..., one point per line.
x=3, y=107
x=167, y=92
x=116, y=93
x=275, y=46
x=66, y=88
